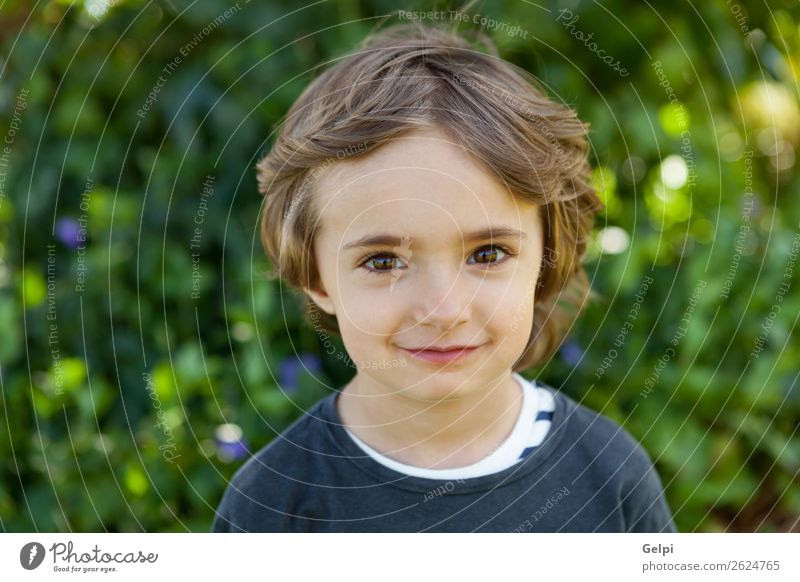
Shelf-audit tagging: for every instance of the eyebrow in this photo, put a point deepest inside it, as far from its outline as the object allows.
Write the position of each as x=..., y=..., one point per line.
x=488, y=233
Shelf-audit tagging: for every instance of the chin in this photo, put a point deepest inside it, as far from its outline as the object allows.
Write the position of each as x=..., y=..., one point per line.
x=436, y=388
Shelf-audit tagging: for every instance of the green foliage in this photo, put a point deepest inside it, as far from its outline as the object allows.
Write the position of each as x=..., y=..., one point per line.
x=138, y=332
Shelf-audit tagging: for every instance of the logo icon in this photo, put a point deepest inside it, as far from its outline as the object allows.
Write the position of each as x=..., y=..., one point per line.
x=31, y=555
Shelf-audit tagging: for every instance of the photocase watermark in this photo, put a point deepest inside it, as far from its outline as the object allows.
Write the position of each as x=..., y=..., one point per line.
x=330, y=348
x=52, y=322
x=169, y=447
x=20, y=104
x=744, y=228
x=550, y=258
x=741, y=19
x=568, y=20
x=82, y=268
x=194, y=243
x=441, y=490
x=31, y=555
x=549, y=261
x=775, y=309
x=627, y=327
x=69, y=559
x=522, y=308
x=382, y=364
x=672, y=97
x=486, y=22
x=669, y=353
x=548, y=505
x=313, y=174
x=515, y=103
x=97, y=9
x=404, y=248
x=169, y=69
x=152, y=96
x=682, y=122
x=327, y=341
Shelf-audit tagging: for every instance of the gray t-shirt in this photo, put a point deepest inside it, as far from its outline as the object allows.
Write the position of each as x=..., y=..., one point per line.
x=588, y=475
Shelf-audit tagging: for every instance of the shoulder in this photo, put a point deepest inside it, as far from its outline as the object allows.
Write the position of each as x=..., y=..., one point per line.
x=600, y=438
x=262, y=494
x=612, y=458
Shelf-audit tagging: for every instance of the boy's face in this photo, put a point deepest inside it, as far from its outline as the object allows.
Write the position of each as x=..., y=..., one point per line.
x=430, y=285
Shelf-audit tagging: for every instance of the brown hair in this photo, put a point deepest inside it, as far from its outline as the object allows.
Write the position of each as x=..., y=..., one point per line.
x=412, y=75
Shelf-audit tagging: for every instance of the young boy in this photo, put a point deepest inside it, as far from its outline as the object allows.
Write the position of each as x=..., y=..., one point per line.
x=434, y=206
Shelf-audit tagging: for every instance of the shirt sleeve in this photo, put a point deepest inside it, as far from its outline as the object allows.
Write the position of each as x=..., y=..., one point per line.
x=223, y=522
x=644, y=505
x=220, y=524
x=255, y=501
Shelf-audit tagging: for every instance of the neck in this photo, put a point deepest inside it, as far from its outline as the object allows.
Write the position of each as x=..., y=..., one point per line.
x=449, y=433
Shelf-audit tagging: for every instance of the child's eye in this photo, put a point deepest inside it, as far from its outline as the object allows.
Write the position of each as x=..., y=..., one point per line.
x=383, y=263
x=387, y=262
x=488, y=255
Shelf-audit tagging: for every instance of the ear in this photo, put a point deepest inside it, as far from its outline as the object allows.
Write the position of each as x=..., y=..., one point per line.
x=321, y=299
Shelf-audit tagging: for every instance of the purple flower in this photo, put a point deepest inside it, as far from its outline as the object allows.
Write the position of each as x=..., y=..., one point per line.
x=231, y=445
x=571, y=352
x=292, y=367
x=67, y=231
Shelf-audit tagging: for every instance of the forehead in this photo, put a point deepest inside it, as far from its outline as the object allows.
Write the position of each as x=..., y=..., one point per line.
x=422, y=173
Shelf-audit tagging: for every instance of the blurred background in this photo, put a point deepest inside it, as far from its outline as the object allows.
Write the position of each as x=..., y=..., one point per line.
x=144, y=355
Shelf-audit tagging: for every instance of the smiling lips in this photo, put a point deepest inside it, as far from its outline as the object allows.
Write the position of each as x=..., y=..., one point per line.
x=442, y=355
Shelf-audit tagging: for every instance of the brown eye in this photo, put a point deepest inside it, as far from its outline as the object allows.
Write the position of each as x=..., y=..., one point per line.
x=489, y=255
x=381, y=263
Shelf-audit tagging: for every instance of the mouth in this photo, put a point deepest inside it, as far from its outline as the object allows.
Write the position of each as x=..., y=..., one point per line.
x=442, y=355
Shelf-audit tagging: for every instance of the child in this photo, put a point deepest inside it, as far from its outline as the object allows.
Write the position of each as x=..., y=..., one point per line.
x=434, y=206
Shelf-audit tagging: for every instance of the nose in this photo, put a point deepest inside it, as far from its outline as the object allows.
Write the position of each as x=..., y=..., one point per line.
x=443, y=298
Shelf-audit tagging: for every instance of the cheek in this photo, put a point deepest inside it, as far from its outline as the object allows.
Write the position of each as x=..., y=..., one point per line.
x=368, y=313
x=513, y=312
